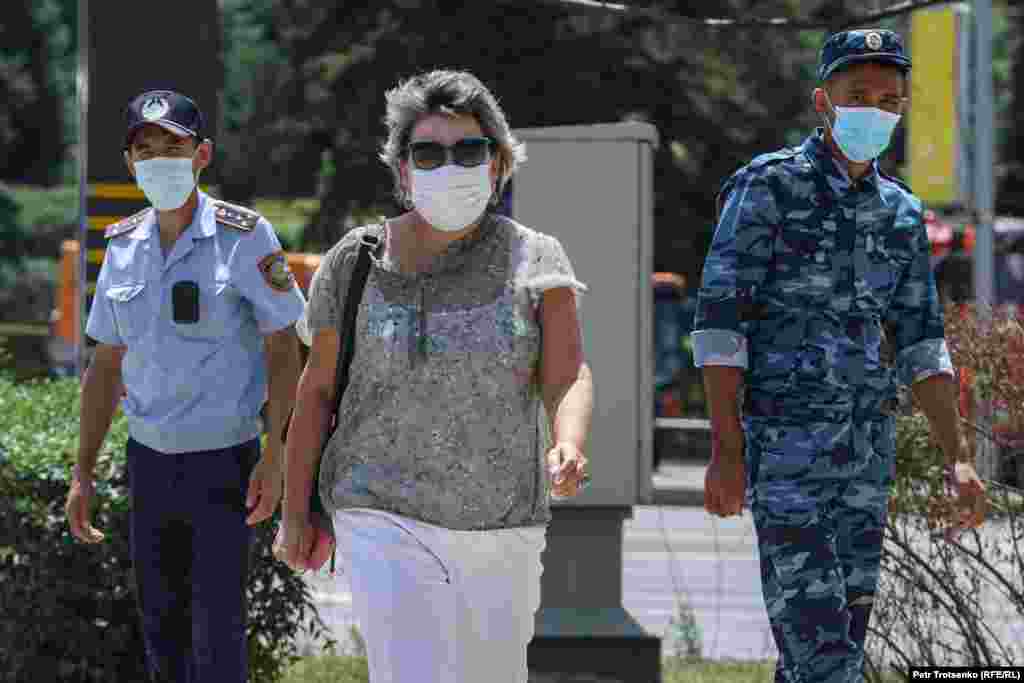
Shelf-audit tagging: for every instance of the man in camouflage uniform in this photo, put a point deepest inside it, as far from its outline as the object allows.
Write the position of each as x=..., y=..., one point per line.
x=815, y=252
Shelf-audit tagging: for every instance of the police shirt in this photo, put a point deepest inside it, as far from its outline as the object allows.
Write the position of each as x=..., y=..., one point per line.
x=194, y=386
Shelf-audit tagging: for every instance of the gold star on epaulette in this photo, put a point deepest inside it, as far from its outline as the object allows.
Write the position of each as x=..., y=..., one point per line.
x=126, y=225
x=237, y=217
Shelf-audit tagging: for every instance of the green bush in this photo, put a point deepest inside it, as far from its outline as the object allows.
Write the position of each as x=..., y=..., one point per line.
x=69, y=612
x=46, y=205
x=941, y=600
x=329, y=669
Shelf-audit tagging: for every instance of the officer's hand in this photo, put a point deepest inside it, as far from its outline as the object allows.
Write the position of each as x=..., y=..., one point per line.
x=971, y=500
x=79, y=511
x=725, y=481
x=265, y=486
x=294, y=543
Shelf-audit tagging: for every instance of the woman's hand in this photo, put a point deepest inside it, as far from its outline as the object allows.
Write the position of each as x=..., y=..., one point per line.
x=567, y=467
x=294, y=543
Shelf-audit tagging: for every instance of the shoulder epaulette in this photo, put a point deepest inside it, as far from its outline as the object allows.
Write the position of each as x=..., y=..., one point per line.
x=895, y=180
x=773, y=157
x=234, y=216
x=755, y=164
x=125, y=225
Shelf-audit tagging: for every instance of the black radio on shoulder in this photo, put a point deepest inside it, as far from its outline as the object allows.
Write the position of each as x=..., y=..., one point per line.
x=185, y=302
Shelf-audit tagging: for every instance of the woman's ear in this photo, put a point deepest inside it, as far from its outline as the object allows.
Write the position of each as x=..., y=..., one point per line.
x=403, y=178
x=497, y=169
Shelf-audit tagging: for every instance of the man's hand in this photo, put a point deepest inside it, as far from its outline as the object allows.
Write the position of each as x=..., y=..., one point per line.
x=79, y=510
x=971, y=500
x=725, y=482
x=265, y=487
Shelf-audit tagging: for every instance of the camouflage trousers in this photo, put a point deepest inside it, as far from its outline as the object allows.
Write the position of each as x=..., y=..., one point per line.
x=820, y=545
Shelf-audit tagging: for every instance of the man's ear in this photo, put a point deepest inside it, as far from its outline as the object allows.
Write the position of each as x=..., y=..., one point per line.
x=205, y=154
x=820, y=101
x=128, y=162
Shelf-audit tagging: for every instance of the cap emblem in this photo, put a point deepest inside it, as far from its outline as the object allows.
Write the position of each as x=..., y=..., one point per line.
x=874, y=41
x=155, y=108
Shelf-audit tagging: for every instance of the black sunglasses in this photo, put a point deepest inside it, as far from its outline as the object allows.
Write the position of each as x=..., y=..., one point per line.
x=426, y=155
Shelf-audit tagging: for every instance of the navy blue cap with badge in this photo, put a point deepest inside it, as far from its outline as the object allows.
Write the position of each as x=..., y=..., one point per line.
x=855, y=47
x=165, y=108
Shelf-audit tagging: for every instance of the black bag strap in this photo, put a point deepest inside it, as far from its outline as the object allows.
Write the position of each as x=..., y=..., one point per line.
x=346, y=347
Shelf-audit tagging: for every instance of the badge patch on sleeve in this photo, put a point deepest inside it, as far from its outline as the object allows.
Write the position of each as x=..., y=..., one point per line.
x=276, y=272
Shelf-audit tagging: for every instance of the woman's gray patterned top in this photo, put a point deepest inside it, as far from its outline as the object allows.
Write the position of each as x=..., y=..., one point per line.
x=441, y=420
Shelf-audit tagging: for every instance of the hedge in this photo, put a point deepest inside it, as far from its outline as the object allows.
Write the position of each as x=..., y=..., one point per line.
x=67, y=609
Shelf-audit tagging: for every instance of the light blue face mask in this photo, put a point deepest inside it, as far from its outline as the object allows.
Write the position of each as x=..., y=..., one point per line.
x=862, y=133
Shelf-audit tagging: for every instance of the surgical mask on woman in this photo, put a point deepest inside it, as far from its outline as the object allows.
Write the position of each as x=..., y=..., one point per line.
x=451, y=198
x=451, y=184
x=862, y=133
x=167, y=182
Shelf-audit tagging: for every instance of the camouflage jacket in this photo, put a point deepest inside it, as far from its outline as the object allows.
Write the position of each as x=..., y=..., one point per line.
x=805, y=270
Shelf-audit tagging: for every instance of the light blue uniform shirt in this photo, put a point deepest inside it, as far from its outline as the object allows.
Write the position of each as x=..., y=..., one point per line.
x=193, y=387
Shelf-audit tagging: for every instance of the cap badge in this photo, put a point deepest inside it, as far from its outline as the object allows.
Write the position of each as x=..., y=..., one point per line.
x=874, y=41
x=155, y=108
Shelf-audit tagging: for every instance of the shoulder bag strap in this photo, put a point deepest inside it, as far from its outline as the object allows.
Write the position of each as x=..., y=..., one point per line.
x=346, y=346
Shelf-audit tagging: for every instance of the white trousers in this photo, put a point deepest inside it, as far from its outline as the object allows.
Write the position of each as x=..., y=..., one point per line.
x=441, y=606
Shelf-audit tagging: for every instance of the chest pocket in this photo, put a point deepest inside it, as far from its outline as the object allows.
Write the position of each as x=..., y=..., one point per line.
x=215, y=311
x=131, y=312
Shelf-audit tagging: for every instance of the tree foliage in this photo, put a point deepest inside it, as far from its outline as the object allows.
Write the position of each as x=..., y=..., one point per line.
x=716, y=96
x=36, y=88
x=1010, y=72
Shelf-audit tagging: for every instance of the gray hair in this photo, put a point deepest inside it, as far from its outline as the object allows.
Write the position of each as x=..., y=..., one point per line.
x=451, y=93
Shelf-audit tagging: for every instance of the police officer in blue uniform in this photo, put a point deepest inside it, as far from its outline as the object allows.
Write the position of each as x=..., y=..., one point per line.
x=818, y=256
x=193, y=316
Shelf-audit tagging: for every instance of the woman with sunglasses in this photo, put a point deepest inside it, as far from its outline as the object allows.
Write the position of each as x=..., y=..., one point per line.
x=439, y=471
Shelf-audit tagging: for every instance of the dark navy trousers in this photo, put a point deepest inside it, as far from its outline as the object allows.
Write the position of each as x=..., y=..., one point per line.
x=190, y=549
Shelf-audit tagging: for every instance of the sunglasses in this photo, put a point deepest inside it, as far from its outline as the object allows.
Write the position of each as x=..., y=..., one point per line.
x=426, y=155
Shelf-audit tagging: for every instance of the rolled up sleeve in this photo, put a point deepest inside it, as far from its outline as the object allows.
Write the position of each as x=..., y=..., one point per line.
x=734, y=271
x=915, y=319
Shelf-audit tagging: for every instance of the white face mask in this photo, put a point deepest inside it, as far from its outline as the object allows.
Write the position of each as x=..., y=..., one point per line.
x=167, y=182
x=451, y=197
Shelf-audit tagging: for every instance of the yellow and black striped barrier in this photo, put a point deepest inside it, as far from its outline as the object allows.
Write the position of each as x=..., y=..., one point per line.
x=106, y=203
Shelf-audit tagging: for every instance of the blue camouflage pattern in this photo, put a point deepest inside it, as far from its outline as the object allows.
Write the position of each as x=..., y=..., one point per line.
x=807, y=273
x=866, y=45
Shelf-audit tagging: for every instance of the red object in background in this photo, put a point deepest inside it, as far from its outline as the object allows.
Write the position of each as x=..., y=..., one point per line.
x=942, y=236
x=669, y=403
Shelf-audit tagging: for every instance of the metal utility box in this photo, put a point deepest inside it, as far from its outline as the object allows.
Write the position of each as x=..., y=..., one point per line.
x=591, y=187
